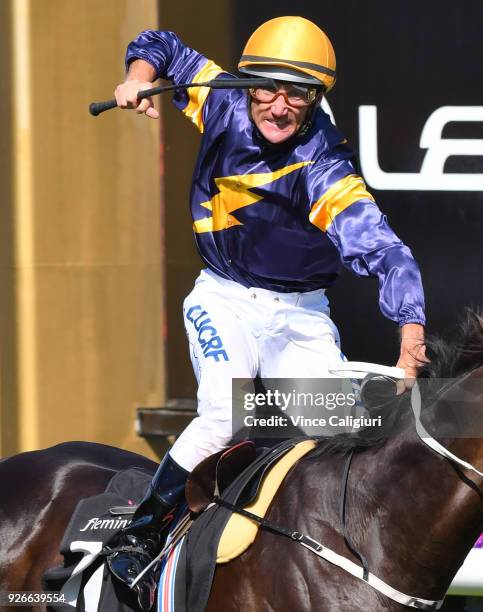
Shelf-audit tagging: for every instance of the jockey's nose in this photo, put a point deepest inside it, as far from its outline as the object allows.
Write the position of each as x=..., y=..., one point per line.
x=279, y=106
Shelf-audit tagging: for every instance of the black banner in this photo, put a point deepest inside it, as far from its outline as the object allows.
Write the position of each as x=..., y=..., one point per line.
x=409, y=98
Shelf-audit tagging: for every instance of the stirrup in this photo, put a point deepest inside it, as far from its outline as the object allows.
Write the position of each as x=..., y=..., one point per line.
x=136, y=559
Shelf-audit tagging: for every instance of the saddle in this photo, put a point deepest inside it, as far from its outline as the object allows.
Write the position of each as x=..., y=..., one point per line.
x=212, y=476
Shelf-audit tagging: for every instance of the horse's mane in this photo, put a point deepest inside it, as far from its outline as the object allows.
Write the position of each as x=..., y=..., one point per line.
x=462, y=353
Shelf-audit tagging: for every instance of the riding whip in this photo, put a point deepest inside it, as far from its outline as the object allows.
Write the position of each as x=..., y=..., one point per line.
x=96, y=108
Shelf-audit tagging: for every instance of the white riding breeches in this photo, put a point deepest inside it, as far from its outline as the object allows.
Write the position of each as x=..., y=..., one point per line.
x=239, y=332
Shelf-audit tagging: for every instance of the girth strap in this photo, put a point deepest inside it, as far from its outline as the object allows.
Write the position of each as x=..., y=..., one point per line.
x=263, y=522
x=345, y=533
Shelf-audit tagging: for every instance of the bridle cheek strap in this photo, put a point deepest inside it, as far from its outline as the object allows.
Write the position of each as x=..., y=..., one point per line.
x=429, y=440
x=360, y=369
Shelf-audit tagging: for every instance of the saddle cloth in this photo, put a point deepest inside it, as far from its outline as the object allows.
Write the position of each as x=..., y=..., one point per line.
x=83, y=580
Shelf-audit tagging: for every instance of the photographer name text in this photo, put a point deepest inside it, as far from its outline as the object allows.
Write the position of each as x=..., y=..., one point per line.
x=301, y=421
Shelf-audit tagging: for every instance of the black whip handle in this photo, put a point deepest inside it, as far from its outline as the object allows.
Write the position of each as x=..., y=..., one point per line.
x=96, y=108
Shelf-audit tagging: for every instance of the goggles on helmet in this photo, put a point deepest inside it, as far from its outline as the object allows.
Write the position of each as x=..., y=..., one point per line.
x=298, y=96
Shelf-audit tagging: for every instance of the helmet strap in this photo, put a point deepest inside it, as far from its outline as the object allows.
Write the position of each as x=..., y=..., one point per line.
x=305, y=127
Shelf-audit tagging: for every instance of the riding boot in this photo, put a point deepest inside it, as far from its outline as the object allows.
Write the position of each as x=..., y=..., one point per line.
x=135, y=546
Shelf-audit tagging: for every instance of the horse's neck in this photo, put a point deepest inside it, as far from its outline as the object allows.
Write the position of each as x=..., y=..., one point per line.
x=423, y=513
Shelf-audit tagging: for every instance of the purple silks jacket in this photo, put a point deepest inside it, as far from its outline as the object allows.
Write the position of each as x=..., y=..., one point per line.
x=281, y=217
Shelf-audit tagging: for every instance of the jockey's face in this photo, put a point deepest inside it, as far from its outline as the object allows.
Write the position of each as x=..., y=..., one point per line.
x=278, y=120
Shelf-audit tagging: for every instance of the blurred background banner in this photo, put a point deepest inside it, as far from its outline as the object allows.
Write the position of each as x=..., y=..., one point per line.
x=408, y=99
x=94, y=269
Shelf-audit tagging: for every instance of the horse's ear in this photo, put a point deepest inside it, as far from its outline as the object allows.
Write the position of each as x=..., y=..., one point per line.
x=377, y=392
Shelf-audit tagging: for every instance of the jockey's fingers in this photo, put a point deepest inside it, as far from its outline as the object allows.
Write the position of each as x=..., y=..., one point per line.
x=413, y=356
x=126, y=93
x=408, y=381
x=410, y=364
x=147, y=106
x=422, y=355
x=413, y=362
x=143, y=106
x=404, y=385
x=152, y=112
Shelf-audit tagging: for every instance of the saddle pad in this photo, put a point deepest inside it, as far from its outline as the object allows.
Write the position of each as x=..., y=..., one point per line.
x=240, y=531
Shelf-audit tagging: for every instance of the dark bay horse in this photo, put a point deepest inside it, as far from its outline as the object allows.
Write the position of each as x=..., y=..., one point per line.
x=412, y=513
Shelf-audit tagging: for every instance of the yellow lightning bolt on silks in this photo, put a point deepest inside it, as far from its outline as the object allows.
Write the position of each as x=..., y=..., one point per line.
x=234, y=193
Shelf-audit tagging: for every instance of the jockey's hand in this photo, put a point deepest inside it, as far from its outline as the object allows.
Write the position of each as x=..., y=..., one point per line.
x=126, y=95
x=412, y=355
x=140, y=76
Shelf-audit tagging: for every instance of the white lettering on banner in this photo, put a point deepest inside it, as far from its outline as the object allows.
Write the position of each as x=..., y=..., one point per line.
x=432, y=175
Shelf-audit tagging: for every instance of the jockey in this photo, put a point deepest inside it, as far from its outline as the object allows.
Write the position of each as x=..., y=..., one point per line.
x=277, y=205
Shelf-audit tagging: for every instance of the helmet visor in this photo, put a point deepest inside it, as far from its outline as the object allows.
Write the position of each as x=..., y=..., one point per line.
x=282, y=73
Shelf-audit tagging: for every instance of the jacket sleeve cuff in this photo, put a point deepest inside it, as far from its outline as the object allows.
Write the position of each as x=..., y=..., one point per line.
x=420, y=321
x=144, y=55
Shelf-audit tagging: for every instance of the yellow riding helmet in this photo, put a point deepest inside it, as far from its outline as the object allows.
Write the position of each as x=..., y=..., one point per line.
x=290, y=49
